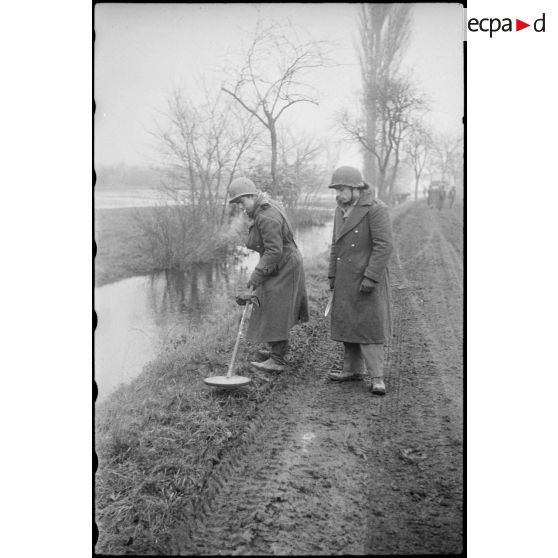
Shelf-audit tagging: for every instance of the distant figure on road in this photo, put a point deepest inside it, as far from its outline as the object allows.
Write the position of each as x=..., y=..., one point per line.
x=278, y=279
x=441, y=198
x=358, y=275
x=451, y=196
x=430, y=200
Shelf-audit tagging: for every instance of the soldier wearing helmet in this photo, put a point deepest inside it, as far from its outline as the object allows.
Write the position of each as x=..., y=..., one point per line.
x=451, y=196
x=278, y=279
x=358, y=275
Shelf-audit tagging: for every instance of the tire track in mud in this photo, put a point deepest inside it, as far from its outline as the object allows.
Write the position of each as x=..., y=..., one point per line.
x=434, y=282
x=330, y=469
x=415, y=492
x=300, y=487
x=437, y=296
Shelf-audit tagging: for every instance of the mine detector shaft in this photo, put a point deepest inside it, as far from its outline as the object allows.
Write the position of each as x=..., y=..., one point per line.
x=231, y=381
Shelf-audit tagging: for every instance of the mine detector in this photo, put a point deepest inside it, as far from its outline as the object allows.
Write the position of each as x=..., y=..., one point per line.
x=232, y=381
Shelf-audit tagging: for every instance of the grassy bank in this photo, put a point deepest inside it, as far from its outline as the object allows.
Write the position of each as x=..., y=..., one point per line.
x=122, y=250
x=119, y=253
x=158, y=438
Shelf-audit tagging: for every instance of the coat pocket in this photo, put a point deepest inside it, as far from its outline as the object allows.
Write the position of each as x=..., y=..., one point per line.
x=350, y=267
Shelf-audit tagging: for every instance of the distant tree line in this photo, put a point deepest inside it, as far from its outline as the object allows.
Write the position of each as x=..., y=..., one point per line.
x=121, y=175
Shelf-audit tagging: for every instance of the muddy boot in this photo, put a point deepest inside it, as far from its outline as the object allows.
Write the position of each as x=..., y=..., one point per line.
x=268, y=365
x=345, y=376
x=378, y=386
x=281, y=348
x=352, y=365
x=373, y=354
x=263, y=354
x=276, y=361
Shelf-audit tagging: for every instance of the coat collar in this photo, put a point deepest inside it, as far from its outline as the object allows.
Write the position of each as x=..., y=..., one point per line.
x=262, y=202
x=355, y=216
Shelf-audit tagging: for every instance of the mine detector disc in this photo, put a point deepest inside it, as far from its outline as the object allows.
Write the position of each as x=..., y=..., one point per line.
x=227, y=382
x=231, y=381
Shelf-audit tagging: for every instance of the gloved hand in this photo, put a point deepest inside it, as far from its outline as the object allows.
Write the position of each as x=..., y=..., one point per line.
x=249, y=297
x=367, y=285
x=331, y=282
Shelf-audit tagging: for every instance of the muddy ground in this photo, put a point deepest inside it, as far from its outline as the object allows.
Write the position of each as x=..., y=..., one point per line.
x=331, y=469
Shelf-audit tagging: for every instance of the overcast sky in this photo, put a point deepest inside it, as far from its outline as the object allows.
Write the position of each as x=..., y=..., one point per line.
x=144, y=51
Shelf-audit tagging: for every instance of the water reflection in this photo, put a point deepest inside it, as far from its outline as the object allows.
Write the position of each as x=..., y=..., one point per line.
x=137, y=315
x=190, y=292
x=313, y=241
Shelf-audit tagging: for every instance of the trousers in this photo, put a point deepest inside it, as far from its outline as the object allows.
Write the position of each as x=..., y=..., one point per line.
x=371, y=355
x=278, y=350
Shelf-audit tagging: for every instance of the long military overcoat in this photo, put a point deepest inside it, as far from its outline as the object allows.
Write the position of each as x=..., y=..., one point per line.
x=361, y=247
x=279, y=275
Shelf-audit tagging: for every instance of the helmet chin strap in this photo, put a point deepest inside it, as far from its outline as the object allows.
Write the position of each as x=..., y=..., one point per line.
x=352, y=200
x=353, y=195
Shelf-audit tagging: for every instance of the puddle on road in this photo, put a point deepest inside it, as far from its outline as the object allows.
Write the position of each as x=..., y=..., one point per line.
x=306, y=439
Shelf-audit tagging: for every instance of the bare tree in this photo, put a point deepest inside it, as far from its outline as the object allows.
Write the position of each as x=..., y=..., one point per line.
x=271, y=78
x=418, y=146
x=448, y=157
x=298, y=157
x=203, y=145
x=384, y=35
x=397, y=104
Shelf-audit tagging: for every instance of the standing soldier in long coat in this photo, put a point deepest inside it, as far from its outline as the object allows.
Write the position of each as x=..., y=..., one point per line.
x=441, y=198
x=358, y=274
x=278, y=278
x=451, y=196
x=430, y=199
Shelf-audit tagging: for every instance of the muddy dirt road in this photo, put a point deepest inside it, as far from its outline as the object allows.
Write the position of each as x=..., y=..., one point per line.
x=331, y=469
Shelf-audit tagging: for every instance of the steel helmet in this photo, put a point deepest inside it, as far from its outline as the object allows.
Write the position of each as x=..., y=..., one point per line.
x=347, y=176
x=241, y=187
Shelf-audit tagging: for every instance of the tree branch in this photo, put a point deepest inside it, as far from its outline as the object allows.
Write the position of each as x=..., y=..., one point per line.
x=251, y=111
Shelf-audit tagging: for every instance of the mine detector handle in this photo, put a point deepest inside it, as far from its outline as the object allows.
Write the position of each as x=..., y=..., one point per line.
x=245, y=312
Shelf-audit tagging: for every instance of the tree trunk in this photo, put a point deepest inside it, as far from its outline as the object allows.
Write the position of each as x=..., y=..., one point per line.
x=382, y=194
x=194, y=201
x=273, y=133
x=369, y=170
x=371, y=93
x=393, y=176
